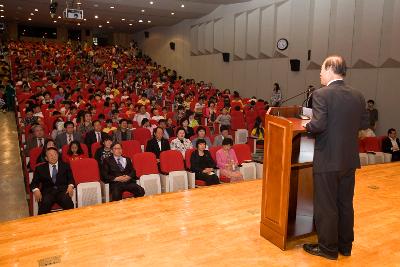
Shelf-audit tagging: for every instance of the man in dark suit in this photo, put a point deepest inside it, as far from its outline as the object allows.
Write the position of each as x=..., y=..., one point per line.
x=53, y=183
x=68, y=136
x=391, y=145
x=338, y=114
x=37, y=140
x=157, y=144
x=93, y=136
x=119, y=173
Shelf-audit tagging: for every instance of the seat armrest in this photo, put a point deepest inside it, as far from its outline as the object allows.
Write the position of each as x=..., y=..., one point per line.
x=105, y=191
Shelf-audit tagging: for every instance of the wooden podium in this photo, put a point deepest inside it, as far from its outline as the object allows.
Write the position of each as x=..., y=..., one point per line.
x=287, y=192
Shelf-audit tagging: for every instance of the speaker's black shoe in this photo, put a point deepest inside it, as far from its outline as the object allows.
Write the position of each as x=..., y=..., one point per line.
x=314, y=249
x=345, y=252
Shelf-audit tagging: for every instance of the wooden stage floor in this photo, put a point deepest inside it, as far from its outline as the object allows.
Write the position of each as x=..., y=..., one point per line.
x=214, y=226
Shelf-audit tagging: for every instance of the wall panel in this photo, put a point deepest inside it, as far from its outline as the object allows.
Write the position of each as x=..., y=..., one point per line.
x=209, y=37
x=240, y=35
x=267, y=31
x=283, y=24
x=253, y=33
x=201, y=38
x=219, y=35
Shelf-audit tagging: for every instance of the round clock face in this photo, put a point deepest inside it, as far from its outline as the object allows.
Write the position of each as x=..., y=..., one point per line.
x=282, y=44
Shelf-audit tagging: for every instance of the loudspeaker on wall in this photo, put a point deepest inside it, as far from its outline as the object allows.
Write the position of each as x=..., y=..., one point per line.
x=295, y=65
x=225, y=57
x=172, y=45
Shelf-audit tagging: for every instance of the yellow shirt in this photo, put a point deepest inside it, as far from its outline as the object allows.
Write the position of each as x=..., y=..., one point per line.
x=260, y=134
x=143, y=102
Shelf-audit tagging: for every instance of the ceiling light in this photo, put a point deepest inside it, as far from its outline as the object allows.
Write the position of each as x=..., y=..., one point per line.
x=3, y=16
x=172, y=13
x=182, y=5
x=112, y=7
x=84, y=19
x=55, y=21
x=140, y=20
x=59, y=17
x=130, y=24
x=96, y=5
x=78, y=24
x=29, y=19
x=1, y=5
x=79, y=3
x=123, y=19
x=2, y=10
x=100, y=26
x=151, y=2
x=96, y=17
x=143, y=10
x=108, y=21
x=36, y=10
x=31, y=13
x=149, y=21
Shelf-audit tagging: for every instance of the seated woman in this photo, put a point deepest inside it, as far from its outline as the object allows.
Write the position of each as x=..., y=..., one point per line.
x=203, y=165
x=180, y=143
x=75, y=152
x=201, y=134
x=227, y=161
x=258, y=131
x=104, y=151
x=189, y=132
x=48, y=142
x=146, y=124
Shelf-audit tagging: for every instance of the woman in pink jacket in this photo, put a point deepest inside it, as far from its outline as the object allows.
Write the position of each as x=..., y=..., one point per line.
x=227, y=161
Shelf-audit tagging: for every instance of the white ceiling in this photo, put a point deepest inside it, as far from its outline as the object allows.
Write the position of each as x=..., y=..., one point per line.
x=131, y=10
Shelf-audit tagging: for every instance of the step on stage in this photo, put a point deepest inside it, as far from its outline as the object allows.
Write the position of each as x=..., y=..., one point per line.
x=214, y=226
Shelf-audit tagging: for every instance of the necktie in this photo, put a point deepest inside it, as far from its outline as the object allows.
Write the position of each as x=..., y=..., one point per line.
x=121, y=168
x=69, y=139
x=54, y=174
x=40, y=142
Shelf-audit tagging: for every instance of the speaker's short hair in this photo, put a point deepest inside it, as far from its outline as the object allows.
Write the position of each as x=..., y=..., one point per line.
x=337, y=64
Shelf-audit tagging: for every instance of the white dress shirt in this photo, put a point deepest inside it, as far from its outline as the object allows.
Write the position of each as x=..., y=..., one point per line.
x=122, y=160
x=395, y=146
x=334, y=81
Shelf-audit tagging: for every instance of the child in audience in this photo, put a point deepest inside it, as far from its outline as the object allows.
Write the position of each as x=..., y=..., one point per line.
x=75, y=152
x=110, y=128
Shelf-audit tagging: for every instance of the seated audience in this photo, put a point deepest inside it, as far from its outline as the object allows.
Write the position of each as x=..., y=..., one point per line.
x=211, y=112
x=170, y=129
x=75, y=151
x=181, y=143
x=391, y=145
x=119, y=173
x=203, y=165
x=48, y=142
x=258, y=131
x=29, y=118
x=110, y=128
x=86, y=125
x=68, y=136
x=224, y=119
x=146, y=124
x=158, y=143
x=156, y=115
x=123, y=133
x=201, y=134
x=224, y=133
x=53, y=183
x=227, y=161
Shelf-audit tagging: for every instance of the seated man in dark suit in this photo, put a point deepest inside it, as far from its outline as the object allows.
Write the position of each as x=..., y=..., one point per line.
x=37, y=140
x=93, y=136
x=68, y=136
x=391, y=145
x=158, y=143
x=119, y=173
x=53, y=183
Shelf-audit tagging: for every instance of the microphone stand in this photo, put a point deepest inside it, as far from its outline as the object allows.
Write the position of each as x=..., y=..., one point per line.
x=300, y=116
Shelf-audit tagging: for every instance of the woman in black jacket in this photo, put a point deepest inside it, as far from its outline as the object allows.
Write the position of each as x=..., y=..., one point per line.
x=203, y=165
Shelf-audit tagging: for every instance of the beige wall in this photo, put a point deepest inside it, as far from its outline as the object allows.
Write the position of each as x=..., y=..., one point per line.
x=365, y=32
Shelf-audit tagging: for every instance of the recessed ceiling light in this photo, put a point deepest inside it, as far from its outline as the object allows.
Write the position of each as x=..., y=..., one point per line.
x=143, y=10
x=112, y=7
x=55, y=21
x=3, y=16
x=79, y=3
x=59, y=17
x=108, y=21
x=100, y=26
x=31, y=13
x=151, y=2
x=149, y=21
x=182, y=5
x=96, y=5
x=172, y=13
x=130, y=24
x=96, y=17
x=29, y=19
x=1, y=5
x=78, y=24
x=36, y=10
x=123, y=19
x=140, y=20
x=84, y=19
